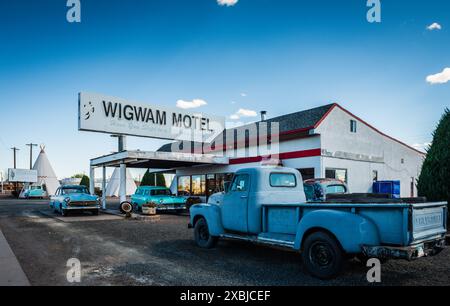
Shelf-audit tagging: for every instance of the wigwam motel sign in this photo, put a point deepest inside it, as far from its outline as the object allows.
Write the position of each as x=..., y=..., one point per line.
x=98, y=113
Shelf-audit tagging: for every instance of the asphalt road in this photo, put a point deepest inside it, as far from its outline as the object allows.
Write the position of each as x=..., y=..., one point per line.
x=131, y=252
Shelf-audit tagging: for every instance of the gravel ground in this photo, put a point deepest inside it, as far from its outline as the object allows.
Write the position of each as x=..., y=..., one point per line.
x=131, y=252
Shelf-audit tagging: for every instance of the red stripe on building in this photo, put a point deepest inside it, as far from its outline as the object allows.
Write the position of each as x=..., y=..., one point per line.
x=282, y=156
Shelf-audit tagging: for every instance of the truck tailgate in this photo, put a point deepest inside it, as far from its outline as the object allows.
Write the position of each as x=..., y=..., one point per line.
x=428, y=221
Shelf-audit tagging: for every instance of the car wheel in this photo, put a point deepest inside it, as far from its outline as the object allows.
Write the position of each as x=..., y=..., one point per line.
x=322, y=255
x=126, y=207
x=63, y=211
x=202, y=236
x=95, y=212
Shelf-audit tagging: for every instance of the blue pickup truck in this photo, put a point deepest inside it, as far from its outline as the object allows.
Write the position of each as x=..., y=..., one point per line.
x=267, y=205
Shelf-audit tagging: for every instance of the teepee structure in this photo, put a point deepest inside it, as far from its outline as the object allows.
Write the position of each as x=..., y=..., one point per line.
x=46, y=174
x=112, y=189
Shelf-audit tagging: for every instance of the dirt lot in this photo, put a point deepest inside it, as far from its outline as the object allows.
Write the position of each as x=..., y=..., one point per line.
x=123, y=252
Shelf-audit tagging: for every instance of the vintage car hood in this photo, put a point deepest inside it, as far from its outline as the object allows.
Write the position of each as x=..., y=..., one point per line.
x=77, y=197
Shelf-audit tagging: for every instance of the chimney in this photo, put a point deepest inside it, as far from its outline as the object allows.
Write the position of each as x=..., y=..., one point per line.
x=263, y=115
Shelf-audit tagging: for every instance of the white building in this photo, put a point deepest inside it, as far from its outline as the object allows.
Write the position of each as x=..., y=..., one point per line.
x=327, y=141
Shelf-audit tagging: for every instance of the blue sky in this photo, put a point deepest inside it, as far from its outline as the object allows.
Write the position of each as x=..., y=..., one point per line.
x=281, y=56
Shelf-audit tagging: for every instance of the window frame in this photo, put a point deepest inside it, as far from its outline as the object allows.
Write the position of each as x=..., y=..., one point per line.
x=282, y=173
x=353, y=126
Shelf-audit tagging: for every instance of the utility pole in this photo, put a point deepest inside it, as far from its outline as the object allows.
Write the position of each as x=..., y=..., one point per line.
x=15, y=165
x=31, y=145
x=15, y=151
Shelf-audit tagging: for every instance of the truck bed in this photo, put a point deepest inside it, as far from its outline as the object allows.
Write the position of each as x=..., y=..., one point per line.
x=399, y=223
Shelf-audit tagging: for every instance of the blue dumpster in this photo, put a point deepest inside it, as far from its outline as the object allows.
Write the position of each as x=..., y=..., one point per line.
x=387, y=187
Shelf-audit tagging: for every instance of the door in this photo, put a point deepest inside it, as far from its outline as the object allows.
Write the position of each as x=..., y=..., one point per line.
x=235, y=205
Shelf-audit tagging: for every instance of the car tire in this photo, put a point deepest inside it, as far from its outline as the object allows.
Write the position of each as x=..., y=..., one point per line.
x=126, y=207
x=95, y=212
x=202, y=236
x=64, y=212
x=322, y=256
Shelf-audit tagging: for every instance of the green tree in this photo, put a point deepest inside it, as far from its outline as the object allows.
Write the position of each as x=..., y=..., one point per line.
x=80, y=175
x=85, y=181
x=434, y=180
x=149, y=179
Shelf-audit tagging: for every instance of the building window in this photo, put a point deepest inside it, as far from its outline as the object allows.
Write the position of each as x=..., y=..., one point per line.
x=198, y=185
x=307, y=173
x=375, y=175
x=402, y=161
x=353, y=126
x=184, y=186
x=339, y=174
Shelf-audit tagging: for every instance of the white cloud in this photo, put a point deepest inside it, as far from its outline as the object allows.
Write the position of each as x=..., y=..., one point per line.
x=421, y=146
x=243, y=94
x=439, y=78
x=434, y=26
x=227, y=2
x=243, y=113
x=191, y=104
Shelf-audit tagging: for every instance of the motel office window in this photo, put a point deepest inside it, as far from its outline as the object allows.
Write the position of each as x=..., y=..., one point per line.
x=340, y=174
x=202, y=185
x=353, y=126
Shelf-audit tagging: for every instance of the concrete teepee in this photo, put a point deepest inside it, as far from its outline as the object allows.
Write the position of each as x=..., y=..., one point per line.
x=112, y=189
x=46, y=175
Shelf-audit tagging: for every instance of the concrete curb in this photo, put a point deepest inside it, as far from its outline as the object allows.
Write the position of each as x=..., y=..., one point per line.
x=11, y=273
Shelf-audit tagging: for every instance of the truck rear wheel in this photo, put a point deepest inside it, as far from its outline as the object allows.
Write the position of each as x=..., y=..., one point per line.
x=322, y=256
x=202, y=236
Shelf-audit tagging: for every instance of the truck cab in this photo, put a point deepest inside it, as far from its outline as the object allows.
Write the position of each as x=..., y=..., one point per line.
x=267, y=205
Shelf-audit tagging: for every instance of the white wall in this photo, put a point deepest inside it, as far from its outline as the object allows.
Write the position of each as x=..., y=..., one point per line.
x=364, y=151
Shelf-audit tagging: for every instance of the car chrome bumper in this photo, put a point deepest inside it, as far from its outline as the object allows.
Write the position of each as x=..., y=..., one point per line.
x=412, y=252
x=82, y=207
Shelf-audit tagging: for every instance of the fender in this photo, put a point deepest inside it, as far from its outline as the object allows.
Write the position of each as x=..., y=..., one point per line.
x=211, y=213
x=351, y=230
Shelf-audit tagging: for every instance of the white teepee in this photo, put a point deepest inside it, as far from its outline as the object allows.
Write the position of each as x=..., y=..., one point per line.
x=112, y=189
x=46, y=175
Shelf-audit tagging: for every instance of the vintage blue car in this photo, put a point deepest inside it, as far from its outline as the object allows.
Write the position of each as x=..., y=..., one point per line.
x=35, y=192
x=318, y=189
x=161, y=196
x=74, y=198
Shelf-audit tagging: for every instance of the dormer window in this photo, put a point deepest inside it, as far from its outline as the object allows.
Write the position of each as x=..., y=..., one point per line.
x=352, y=126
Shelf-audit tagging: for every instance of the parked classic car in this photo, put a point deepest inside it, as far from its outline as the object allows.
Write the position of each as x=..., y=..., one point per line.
x=267, y=205
x=35, y=192
x=74, y=198
x=318, y=189
x=161, y=196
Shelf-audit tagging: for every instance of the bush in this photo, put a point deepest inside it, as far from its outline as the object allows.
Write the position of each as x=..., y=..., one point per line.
x=149, y=179
x=85, y=181
x=434, y=180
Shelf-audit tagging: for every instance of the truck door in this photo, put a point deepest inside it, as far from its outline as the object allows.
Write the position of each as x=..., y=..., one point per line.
x=235, y=205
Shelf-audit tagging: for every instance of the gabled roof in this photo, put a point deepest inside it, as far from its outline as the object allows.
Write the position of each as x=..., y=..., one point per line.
x=299, y=123
x=288, y=124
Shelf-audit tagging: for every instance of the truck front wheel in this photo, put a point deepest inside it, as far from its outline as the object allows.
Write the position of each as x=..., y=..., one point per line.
x=322, y=256
x=202, y=236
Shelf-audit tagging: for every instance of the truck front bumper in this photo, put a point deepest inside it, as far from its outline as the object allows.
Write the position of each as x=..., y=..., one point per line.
x=412, y=252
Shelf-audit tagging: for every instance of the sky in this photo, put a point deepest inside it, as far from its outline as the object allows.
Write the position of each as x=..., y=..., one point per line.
x=224, y=57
